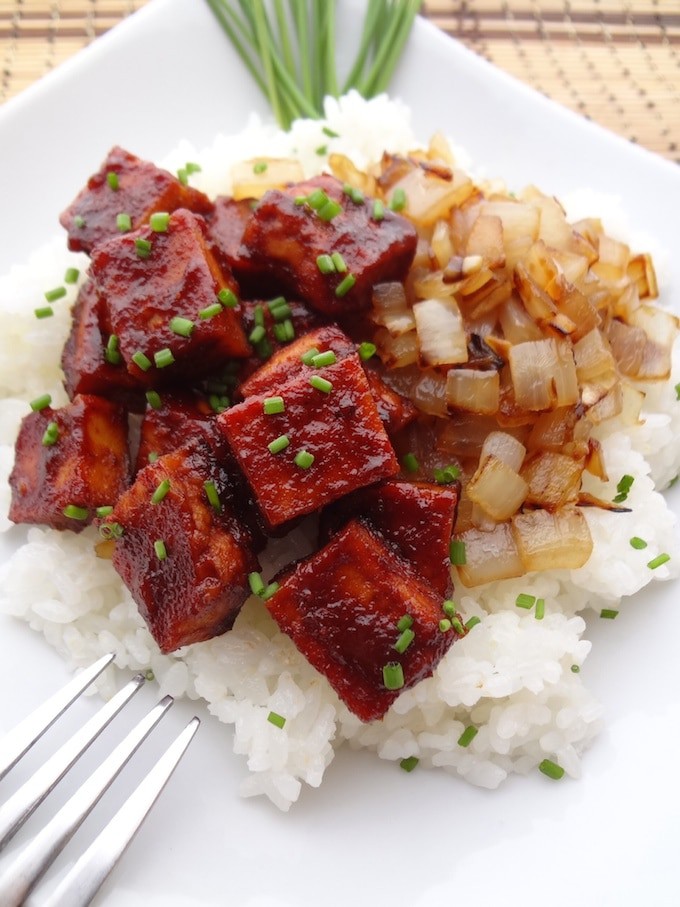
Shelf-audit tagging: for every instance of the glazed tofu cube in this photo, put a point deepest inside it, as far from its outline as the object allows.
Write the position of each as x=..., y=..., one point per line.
x=225, y=226
x=170, y=421
x=68, y=462
x=125, y=185
x=322, y=439
x=395, y=411
x=87, y=365
x=291, y=229
x=159, y=294
x=341, y=608
x=416, y=519
x=180, y=550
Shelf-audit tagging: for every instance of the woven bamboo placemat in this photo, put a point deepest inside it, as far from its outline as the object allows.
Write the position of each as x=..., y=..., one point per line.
x=615, y=61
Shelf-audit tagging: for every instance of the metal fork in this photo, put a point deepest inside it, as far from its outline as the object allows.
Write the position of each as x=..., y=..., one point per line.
x=88, y=874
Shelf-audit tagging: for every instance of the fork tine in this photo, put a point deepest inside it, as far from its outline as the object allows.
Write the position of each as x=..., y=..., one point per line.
x=17, y=741
x=30, y=863
x=91, y=870
x=28, y=797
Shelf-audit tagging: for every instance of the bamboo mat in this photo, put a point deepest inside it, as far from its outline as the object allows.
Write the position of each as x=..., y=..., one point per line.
x=614, y=61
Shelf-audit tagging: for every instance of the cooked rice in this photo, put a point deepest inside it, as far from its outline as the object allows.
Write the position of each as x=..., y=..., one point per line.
x=511, y=676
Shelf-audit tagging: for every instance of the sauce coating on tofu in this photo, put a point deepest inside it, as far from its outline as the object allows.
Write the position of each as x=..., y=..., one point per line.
x=184, y=557
x=144, y=295
x=335, y=423
x=173, y=420
x=286, y=236
x=68, y=462
x=341, y=608
x=125, y=184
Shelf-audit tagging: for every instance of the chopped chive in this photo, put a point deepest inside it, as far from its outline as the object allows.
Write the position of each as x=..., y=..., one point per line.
x=608, y=613
x=317, y=199
x=330, y=210
x=398, y=200
x=54, y=294
x=141, y=361
x=638, y=543
x=447, y=475
x=330, y=132
x=449, y=608
x=228, y=298
x=260, y=167
x=472, y=622
x=181, y=326
x=304, y=459
x=468, y=735
x=152, y=456
x=339, y=263
x=405, y=639
x=277, y=303
x=192, y=167
x=404, y=622
x=143, y=247
x=256, y=584
x=112, y=180
x=73, y=512
x=445, y=625
x=273, y=405
x=624, y=486
x=159, y=221
x=45, y=312
x=321, y=150
x=160, y=549
x=345, y=285
x=457, y=554
x=325, y=264
x=71, y=275
x=111, y=352
x=308, y=357
x=210, y=311
x=161, y=491
x=300, y=200
x=539, y=613
x=123, y=222
x=367, y=350
x=264, y=349
x=321, y=384
x=551, y=769
x=410, y=462
x=149, y=675
x=409, y=763
x=163, y=358
x=212, y=496
x=154, y=399
x=458, y=626
x=278, y=444
x=257, y=334
x=258, y=315
x=322, y=359
x=677, y=391
x=183, y=176
x=393, y=675
x=658, y=561
x=275, y=719
x=378, y=210
x=575, y=669
x=111, y=531
x=79, y=221
x=524, y=600
x=106, y=510
x=356, y=195
x=286, y=330
x=218, y=402
x=41, y=402
x=269, y=591
x=51, y=435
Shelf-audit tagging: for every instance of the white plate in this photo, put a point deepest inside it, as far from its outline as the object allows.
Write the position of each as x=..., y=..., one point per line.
x=371, y=834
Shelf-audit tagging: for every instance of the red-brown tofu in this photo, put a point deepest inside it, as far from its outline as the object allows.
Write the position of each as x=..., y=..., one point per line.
x=225, y=226
x=185, y=561
x=136, y=188
x=396, y=411
x=416, y=519
x=143, y=296
x=84, y=361
x=341, y=607
x=285, y=239
x=339, y=427
x=173, y=420
x=68, y=462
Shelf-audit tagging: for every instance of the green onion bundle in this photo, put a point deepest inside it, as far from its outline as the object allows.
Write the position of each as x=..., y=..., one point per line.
x=288, y=47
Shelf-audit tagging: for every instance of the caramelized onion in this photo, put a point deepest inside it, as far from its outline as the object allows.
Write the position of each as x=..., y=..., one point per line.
x=554, y=479
x=251, y=179
x=552, y=541
x=473, y=390
x=497, y=488
x=441, y=333
x=489, y=556
x=543, y=374
x=390, y=308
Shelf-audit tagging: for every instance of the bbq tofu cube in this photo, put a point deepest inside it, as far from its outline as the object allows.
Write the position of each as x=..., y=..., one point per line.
x=159, y=293
x=182, y=553
x=88, y=366
x=416, y=519
x=291, y=229
x=395, y=411
x=68, y=462
x=170, y=421
x=125, y=185
x=341, y=608
x=327, y=441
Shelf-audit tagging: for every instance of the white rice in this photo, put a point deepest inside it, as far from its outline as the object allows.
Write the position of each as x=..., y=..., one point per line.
x=511, y=676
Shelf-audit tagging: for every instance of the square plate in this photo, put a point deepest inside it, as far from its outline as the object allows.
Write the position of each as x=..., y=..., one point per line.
x=371, y=834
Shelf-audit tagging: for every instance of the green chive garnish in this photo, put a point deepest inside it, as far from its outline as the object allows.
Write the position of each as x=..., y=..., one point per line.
x=123, y=222
x=623, y=487
x=405, y=639
x=321, y=384
x=638, y=543
x=260, y=167
x=71, y=275
x=154, y=399
x=258, y=315
x=345, y=285
x=308, y=356
x=256, y=584
x=111, y=531
x=658, y=561
x=445, y=625
x=45, y=312
x=163, y=358
x=339, y=263
x=539, y=612
x=330, y=132
x=210, y=311
x=322, y=359
x=325, y=264
x=183, y=176
x=142, y=247
x=111, y=351
x=468, y=735
x=677, y=391
x=278, y=444
x=112, y=180
x=447, y=475
x=378, y=210
x=160, y=549
x=608, y=613
x=212, y=496
x=141, y=361
x=106, y=510
x=257, y=334
x=398, y=201
x=367, y=350
x=51, y=435
x=152, y=456
x=79, y=221
x=160, y=492
x=73, y=512
x=192, y=167
x=218, y=402
x=181, y=326
x=304, y=459
x=449, y=608
x=269, y=591
x=40, y=402
x=228, y=298
x=330, y=210
x=405, y=622
x=356, y=195
x=273, y=405
x=393, y=675
x=275, y=719
x=410, y=462
x=551, y=769
x=317, y=199
x=457, y=553
x=524, y=600
x=409, y=763
x=159, y=221
x=472, y=622
x=321, y=150
x=575, y=669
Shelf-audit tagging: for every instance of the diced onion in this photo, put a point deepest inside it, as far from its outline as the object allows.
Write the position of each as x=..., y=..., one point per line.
x=505, y=447
x=251, y=179
x=552, y=541
x=543, y=374
x=473, y=390
x=497, y=488
x=489, y=556
x=441, y=333
x=554, y=479
x=391, y=310
x=430, y=197
x=593, y=358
